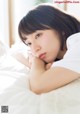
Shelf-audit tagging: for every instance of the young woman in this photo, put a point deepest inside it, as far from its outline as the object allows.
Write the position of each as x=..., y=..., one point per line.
x=54, y=41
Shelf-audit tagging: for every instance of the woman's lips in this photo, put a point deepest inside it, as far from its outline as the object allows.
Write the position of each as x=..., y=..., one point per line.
x=42, y=56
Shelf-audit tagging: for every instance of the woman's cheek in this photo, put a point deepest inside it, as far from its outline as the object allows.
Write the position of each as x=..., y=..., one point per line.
x=45, y=41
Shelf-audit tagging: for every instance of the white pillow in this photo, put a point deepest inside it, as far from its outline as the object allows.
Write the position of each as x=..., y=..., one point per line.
x=20, y=52
x=3, y=48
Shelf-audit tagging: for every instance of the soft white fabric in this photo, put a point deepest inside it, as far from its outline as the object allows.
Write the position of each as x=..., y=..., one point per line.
x=71, y=59
x=20, y=100
x=12, y=70
x=15, y=92
x=3, y=48
x=19, y=47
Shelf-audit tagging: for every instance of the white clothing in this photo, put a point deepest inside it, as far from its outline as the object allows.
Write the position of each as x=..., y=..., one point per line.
x=71, y=59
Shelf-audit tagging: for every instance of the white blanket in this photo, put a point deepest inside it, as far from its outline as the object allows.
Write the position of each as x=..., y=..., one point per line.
x=15, y=92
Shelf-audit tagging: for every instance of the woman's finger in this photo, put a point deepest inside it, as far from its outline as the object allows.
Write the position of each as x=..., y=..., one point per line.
x=48, y=66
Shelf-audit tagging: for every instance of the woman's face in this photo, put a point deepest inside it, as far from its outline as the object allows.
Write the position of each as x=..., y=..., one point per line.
x=44, y=44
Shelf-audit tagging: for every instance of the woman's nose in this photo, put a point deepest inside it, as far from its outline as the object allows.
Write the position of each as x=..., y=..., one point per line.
x=35, y=47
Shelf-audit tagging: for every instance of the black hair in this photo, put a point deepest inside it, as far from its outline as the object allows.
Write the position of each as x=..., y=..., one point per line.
x=48, y=17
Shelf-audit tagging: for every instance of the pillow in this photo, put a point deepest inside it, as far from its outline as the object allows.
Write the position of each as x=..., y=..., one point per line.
x=3, y=48
x=12, y=70
x=20, y=52
x=14, y=58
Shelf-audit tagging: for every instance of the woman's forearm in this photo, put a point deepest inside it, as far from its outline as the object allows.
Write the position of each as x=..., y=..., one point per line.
x=51, y=79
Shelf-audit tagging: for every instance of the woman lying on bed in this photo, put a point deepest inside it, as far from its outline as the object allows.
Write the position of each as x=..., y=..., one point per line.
x=53, y=37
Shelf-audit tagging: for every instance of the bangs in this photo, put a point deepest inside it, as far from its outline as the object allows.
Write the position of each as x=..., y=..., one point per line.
x=30, y=26
x=32, y=22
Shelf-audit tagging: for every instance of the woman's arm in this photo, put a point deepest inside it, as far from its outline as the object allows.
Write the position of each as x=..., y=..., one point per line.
x=42, y=80
x=20, y=57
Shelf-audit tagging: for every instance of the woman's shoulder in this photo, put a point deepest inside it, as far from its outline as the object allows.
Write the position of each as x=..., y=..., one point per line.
x=73, y=40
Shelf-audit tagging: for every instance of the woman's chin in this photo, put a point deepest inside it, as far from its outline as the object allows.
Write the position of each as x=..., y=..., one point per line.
x=48, y=61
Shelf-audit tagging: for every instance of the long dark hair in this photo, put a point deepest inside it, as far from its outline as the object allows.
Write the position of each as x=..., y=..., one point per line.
x=48, y=17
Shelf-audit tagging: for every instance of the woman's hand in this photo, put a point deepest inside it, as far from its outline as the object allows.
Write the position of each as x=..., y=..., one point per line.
x=38, y=63
x=38, y=66
x=48, y=65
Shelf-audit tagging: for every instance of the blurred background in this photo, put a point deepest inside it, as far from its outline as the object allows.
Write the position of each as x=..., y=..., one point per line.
x=11, y=12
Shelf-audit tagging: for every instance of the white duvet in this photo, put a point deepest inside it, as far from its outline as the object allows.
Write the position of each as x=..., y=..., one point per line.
x=15, y=92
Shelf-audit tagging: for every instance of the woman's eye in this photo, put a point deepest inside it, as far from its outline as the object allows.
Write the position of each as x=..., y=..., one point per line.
x=38, y=35
x=28, y=44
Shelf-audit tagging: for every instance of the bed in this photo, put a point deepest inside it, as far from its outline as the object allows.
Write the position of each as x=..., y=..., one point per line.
x=15, y=92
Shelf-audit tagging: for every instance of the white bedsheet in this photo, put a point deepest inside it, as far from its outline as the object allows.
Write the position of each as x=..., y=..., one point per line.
x=15, y=92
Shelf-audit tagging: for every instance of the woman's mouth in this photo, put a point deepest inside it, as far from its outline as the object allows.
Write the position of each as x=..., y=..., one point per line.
x=42, y=56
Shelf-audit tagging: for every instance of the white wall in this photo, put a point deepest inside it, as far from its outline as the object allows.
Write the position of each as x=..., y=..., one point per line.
x=74, y=8
x=4, y=22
